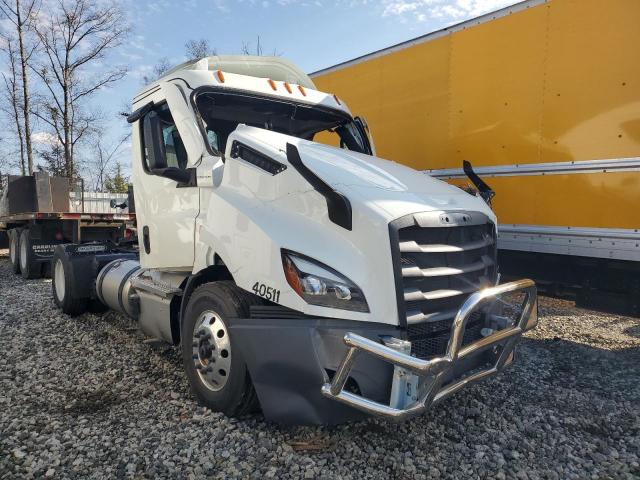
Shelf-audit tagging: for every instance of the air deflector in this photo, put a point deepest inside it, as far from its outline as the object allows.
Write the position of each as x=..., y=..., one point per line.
x=338, y=206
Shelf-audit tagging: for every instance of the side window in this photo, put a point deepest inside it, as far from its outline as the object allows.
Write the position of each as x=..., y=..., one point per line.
x=347, y=137
x=212, y=137
x=176, y=153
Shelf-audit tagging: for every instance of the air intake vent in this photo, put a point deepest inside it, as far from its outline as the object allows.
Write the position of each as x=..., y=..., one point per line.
x=440, y=259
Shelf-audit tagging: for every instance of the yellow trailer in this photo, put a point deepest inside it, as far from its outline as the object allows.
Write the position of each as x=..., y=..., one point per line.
x=543, y=98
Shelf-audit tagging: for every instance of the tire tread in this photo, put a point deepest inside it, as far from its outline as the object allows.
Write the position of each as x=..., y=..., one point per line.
x=14, y=238
x=33, y=269
x=70, y=305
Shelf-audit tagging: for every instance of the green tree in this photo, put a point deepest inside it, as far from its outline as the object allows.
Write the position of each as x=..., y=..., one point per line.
x=53, y=156
x=117, y=183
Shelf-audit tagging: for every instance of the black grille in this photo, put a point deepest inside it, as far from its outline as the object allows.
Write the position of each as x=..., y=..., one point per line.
x=431, y=339
x=438, y=267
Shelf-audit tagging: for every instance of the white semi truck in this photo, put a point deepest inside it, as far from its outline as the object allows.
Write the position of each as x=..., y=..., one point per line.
x=318, y=283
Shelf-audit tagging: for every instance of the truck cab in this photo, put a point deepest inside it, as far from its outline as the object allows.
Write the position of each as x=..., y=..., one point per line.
x=296, y=270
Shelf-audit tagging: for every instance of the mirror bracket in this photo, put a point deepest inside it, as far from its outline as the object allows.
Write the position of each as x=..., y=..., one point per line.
x=114, y=204
x=184, y=178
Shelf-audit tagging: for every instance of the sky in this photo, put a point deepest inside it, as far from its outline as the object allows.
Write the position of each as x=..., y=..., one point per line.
x=313, y=34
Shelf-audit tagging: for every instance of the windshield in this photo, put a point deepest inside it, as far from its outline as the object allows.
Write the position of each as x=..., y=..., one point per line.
x=222, y=112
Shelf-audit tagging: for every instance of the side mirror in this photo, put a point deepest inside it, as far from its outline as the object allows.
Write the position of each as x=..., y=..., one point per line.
x=156, y=153
x=183, y=177
x=154, y=148
x=114, y=203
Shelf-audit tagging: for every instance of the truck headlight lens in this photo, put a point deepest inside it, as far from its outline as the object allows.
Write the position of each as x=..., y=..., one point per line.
x=321, y=285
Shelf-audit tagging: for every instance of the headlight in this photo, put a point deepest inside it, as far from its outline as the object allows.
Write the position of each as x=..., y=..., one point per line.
x=321, y=285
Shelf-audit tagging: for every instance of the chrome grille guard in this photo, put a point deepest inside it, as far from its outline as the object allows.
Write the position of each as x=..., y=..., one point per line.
x=431, y=373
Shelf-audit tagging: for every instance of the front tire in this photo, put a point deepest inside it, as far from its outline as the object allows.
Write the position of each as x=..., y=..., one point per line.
x=214, y=365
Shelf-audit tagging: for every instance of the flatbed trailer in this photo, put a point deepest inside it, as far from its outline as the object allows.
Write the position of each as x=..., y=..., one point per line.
x=34, y=229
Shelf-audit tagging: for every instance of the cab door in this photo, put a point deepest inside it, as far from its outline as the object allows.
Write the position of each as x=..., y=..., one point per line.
x=166, y=204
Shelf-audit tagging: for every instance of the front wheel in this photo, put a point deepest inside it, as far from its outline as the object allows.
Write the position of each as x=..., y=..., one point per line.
x=214, y=365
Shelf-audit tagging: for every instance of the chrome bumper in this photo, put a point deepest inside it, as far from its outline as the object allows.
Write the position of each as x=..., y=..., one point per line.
x=431, y=373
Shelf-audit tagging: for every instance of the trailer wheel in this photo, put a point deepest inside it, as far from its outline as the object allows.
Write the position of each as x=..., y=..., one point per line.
x=14, y=250
x=62, y=287
x=28, y=268
x=216, y=369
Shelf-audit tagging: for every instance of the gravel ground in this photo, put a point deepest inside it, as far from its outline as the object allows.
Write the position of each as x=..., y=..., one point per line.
x=86, y=398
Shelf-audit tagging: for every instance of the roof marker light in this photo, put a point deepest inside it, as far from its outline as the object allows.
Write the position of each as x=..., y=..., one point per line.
x=220, y=76
x=288, y=87
x=337, y=100
x=273, y=84
x=302, y=90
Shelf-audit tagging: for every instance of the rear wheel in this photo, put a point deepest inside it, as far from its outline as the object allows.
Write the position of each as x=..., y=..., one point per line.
x=28, y=268
x=14, y=250
x=215, y=368
x=62, y=287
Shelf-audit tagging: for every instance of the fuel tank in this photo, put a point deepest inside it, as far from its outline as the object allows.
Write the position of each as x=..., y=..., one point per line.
x=113, y=286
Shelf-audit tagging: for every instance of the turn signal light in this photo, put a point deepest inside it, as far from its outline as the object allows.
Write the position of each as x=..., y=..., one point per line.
x=291, y=274
x=288, y=87
x=302, y=90
x=273, y=84
x=220, y=76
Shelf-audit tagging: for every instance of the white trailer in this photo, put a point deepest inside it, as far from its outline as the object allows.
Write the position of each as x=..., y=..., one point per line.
x=318, y=283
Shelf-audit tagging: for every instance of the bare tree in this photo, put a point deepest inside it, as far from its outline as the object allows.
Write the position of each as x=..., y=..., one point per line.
x=246, y=49
x=13, y=99
x=7, y=160
x=193, y=49
x=104, y=154
x=197, y=49
x=78, y=34
x=23, y=17
x=159, y=69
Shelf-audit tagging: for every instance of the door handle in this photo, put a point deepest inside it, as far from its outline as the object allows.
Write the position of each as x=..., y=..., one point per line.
x=145, y=240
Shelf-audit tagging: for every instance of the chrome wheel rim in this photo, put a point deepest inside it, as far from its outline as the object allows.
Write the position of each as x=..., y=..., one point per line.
x=59, y=278
x=211, y=350
x=23, y=255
